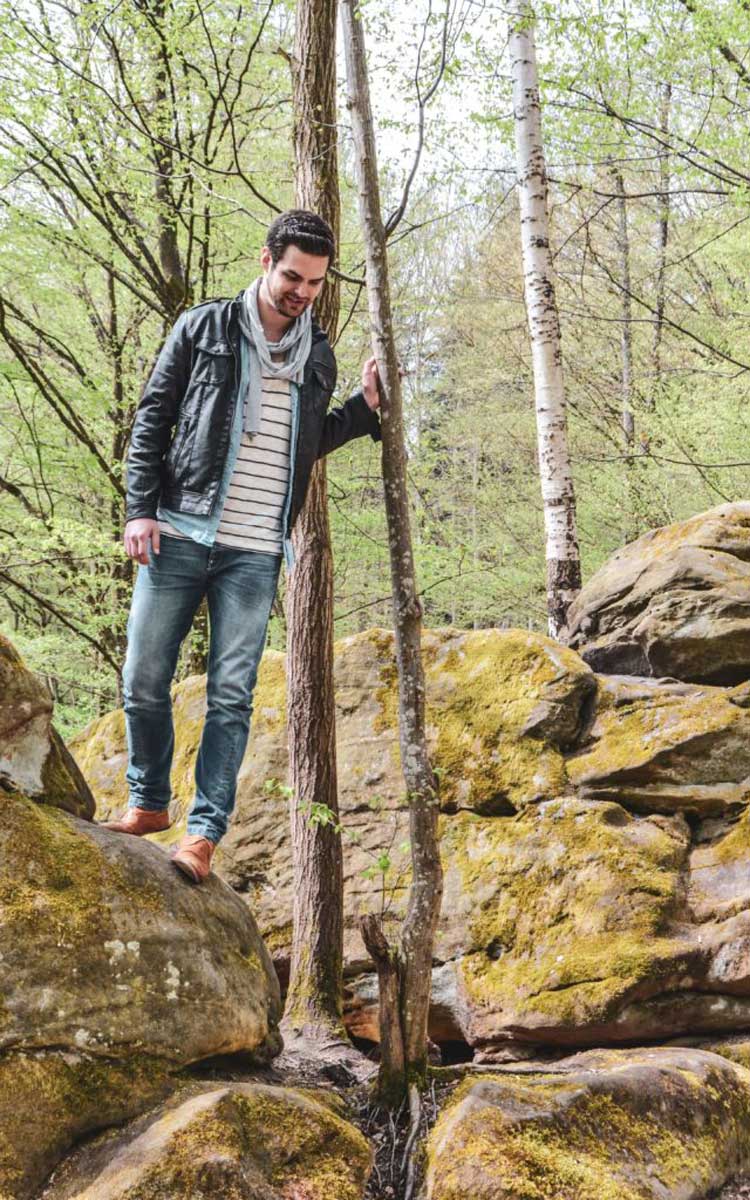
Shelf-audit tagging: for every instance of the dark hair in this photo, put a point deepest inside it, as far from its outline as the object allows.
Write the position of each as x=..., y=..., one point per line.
x=306, y=230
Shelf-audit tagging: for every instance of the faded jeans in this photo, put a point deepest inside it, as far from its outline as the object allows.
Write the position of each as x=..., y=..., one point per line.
x=239, y=586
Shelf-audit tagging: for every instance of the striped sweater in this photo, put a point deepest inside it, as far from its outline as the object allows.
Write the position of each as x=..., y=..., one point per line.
x=253, y=510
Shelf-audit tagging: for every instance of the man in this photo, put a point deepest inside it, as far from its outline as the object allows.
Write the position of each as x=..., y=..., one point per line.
x=226, y=434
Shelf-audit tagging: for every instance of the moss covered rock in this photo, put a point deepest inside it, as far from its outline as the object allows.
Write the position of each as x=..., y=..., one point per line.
x=114, y=972
x=579, y=904
x=105, y=947
x=503, y=706
x=49, y=1098
x=663, y=746
x=238, y=1141
x=675, y=602
x=563, y=923
x=33, y=757
x=662, y=1124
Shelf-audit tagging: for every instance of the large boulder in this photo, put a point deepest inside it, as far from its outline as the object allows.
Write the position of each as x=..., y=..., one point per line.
x=593, y=835
x=502, y=707
x=114, y=972
x=33, y=757
x=675, y=602
x=581, y=924
x=236, y=1141
x=660, y=1124
x=561, y=923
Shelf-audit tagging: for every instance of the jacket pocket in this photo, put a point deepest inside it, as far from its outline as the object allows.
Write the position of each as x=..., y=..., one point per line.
x=213, y=362
x=178, y=456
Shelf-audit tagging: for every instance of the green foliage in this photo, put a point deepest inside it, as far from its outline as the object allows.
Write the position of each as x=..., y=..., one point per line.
x=97, y=104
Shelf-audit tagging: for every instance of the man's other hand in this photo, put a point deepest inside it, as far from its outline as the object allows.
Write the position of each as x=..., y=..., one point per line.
x=370, y=383
x=138, y=534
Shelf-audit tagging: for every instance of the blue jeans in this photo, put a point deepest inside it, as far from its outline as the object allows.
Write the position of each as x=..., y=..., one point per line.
x=239, y=586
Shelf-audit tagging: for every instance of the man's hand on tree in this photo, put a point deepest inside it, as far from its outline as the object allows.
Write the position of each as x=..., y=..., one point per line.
x=370, y=383
x=138, y=534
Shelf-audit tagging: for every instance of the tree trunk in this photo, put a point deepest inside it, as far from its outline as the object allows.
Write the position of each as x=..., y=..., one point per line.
x=174, y=285
x=662, y=240
x=314, y=1000
x=558, y=497
x=627, y=417
x=403, y=1024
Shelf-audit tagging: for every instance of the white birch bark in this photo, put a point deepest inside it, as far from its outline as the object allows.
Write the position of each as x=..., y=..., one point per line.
x=558, y=497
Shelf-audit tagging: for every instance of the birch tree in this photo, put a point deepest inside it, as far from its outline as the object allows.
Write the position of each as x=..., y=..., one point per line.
x=313, y=1008
x=558, y=497
x=404, y=970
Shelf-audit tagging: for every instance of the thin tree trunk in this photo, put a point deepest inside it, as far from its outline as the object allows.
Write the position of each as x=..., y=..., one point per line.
x=175, y=291
x=558, y=497
x=627, y=417
x=314, y=1000
x=122, y=568
x=403, y=1025
x=662, y=240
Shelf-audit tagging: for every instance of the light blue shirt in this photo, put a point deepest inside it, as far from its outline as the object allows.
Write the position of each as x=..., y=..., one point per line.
x=202, y=529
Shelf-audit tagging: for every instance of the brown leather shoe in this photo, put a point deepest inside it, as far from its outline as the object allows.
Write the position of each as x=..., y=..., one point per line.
x=193, y=857
x=140, y=821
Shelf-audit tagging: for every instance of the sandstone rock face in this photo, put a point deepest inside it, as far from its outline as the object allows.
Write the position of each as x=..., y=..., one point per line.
x=49, y=1098
x=502, y=705
x=594, y=838
x=661, y=746
x=584, y=925
x=675, y=602
x=114, y=970
x=33, y=758
x=237, y=1141
x=661, y=1124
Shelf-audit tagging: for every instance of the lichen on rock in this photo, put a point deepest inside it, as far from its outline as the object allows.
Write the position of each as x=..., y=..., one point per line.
x=615, y=1125
x=114, y=973
x=568, y=909
x=237, y=1141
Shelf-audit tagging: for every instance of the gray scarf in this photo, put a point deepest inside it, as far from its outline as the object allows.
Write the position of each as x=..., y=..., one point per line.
x=294, y=345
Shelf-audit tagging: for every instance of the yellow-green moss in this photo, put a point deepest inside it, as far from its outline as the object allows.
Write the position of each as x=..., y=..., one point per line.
x=569, y=909
x=631, y=735
x=737, y=1051
x=733, y=847
x=279, y=938
x=480, y=694
x=49, y=1099
x=93, y=749
x=282, y=1136
x=306, y=1143
x=499, y=678
x=584, y=1144
x=60, y=879
x=269, y=704
x=387, y=693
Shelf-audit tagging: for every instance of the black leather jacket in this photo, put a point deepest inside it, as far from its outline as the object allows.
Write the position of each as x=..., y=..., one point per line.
x=181, y=432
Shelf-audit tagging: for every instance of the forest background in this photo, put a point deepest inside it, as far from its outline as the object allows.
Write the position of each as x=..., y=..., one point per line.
x=146, y=145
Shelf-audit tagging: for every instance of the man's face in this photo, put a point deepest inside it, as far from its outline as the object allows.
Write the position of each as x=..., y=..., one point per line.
x=293, y=283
